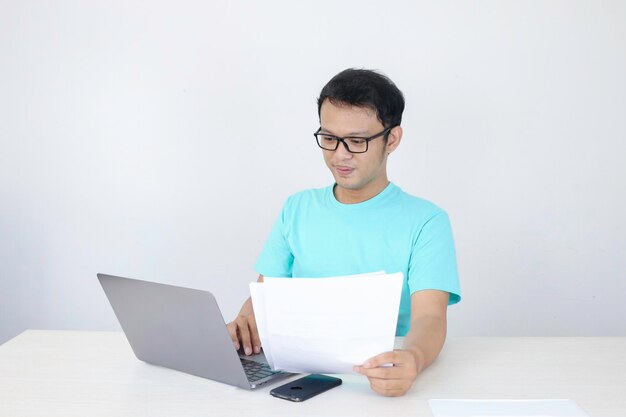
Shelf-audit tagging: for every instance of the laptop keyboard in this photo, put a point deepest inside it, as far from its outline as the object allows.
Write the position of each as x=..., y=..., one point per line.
x=256, y=371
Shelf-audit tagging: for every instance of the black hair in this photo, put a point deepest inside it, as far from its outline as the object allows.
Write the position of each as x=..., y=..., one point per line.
x=365, y=88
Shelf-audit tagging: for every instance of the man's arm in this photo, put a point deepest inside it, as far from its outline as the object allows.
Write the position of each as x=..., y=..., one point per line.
x=421, y=346
x=243, y=330
x=428, y=325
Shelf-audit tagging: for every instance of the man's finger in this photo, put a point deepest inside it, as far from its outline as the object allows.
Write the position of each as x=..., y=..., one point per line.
x=232, y=331
x=244, y=336
x=380, y=372
x=388, y=392
x=254, y=334
x=388, y=384
x=378, y=360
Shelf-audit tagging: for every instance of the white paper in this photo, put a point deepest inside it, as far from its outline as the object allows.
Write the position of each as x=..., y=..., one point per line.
x=326, y=325
x=505, y=408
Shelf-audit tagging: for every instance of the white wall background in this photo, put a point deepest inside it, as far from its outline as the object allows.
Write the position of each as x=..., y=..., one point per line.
x=158, y=140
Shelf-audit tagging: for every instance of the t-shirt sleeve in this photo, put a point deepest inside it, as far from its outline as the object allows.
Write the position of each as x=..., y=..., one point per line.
x=433, y=259
x=276, y=258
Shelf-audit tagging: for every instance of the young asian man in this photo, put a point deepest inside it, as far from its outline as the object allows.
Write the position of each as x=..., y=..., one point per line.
x=364, y=223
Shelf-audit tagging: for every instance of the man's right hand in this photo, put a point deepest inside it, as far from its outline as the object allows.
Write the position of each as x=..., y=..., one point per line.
x=243, y=330
x=244, y=333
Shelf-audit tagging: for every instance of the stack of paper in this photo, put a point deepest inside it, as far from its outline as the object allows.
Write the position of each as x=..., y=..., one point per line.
x=326, y=325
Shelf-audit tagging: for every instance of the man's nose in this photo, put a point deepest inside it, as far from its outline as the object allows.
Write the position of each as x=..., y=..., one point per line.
x=342, y=151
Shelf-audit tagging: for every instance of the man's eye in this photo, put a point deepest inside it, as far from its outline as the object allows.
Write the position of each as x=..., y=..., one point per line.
x=328, y=138
x=356, y=141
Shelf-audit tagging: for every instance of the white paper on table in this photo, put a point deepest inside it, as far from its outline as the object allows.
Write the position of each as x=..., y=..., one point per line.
x=505, y=408
x=326, y=325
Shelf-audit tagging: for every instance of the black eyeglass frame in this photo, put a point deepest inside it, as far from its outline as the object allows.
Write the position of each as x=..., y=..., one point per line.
x=343, y=140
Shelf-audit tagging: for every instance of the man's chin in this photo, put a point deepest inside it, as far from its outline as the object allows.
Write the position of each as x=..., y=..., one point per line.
x=347, y=184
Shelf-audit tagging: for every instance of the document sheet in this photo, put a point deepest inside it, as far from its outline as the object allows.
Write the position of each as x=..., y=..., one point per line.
x=505, y=408
x=326, y=325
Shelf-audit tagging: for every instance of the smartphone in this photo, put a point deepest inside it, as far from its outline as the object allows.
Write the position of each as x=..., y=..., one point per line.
x=304, y=388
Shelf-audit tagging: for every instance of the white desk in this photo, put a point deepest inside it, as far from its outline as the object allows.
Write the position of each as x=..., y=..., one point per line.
x=65, y=373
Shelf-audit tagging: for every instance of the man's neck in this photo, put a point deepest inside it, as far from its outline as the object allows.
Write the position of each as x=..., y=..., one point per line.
x=348, y=196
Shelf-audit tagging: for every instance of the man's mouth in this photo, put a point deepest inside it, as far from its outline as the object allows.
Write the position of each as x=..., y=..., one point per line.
x=341, y=170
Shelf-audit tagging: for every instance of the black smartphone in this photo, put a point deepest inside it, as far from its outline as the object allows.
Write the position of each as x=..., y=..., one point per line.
x=304, y=388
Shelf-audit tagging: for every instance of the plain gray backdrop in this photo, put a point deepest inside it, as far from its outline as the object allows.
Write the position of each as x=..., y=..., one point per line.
x=159, y=140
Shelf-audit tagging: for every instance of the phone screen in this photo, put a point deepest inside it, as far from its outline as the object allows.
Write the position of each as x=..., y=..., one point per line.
x=304, y=388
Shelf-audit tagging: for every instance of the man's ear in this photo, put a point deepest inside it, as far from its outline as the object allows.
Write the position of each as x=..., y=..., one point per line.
x=393, y=139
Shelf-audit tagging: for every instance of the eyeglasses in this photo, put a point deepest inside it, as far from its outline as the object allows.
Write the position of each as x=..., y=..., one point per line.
x=353, y=144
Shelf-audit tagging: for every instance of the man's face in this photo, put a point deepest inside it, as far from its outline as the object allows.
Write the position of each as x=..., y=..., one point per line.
x=361, y=172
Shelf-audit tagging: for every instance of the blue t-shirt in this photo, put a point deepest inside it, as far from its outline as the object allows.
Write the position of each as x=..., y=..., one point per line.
x=317, y=236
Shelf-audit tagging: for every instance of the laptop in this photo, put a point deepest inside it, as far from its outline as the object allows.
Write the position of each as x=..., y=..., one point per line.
x=182, y=329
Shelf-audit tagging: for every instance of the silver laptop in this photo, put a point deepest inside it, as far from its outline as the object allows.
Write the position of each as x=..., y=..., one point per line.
x=182, y=329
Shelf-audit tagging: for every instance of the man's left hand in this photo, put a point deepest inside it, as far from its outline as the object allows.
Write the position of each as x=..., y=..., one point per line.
x=395, y=380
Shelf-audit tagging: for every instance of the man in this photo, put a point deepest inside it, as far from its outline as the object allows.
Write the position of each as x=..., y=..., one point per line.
x=364, y=223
